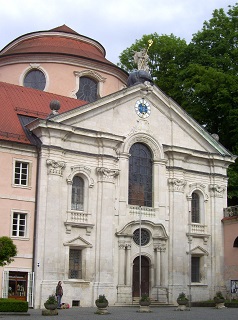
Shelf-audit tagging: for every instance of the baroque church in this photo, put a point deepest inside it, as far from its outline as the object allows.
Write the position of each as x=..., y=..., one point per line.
x=108, y=184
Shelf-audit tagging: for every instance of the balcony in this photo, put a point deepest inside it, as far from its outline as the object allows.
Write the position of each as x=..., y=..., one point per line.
x=78, y=219
x=141, y=211
x=230, y=212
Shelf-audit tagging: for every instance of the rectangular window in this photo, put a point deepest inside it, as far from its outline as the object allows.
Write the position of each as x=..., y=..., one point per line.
x=75, y=264
x=21, y=173
x=195, y=269
x=19, y=224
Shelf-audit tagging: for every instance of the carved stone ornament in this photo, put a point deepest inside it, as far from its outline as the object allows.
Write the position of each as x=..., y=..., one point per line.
x=107, y=174
x=177, y=185
x=55, y=167
x=216, y=190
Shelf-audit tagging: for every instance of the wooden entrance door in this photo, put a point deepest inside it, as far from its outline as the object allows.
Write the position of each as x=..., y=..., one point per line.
x=144, y=276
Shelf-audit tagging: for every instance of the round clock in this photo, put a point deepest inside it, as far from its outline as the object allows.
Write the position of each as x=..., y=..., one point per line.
x=142, y=108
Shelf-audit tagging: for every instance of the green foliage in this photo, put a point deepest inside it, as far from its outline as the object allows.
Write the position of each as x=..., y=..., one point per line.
x=218, y=295
x=182, y=296
x=201, y=76
x=8, y=250
x=101, y=298
x=145, y=297
x=51, y=299
x=13, y=305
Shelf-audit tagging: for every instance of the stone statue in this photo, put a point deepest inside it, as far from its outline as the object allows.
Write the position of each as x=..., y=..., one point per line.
x=141, y=59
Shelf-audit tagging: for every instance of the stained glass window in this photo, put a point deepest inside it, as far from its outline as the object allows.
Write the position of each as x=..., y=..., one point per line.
x=145, y=237
x=77, y=202
x=140, y=175
x=195, y=208
x=87, y=89
x=35, y=79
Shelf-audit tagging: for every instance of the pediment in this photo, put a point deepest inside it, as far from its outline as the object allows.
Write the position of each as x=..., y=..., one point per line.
x=78, y=242
x=199, y=251
x=167, y=124
x=157, y=230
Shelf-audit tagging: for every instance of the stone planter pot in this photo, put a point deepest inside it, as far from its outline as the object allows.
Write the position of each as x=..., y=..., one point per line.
x=144, y=303
x=220, y=303
x=50, y=306
x=102, y=307
x=182, y=302
x=182, y=305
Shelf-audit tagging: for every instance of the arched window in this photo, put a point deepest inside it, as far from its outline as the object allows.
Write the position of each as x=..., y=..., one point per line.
x=140, y=175
x=35, y=79
x=235, y=242
x=87, y=89
x=77, y=202
x=195, y=208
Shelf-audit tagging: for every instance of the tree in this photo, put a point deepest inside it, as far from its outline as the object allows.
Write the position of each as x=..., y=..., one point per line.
x=166, y=59
x=201, y=76
x=8, y=250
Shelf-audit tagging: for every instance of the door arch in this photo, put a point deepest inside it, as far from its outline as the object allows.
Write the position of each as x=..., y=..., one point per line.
x=145, y=276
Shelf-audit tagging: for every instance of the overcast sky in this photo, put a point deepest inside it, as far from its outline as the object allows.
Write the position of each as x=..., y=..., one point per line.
x=116, y=24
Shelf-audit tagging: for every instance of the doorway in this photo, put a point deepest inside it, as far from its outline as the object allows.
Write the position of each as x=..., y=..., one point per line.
x=145, y=268
x=17, y=285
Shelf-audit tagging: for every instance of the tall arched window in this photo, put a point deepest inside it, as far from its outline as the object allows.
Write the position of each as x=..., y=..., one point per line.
x=88, y=89
x=77, y=202
x=195, y=208
x=140, y=175
x=235, y=244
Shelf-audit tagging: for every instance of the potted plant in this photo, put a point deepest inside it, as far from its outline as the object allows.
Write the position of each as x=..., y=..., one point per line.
x=182, y=301
x=51, y=303
x=102, y=304
x=144, y=300
x=219, y=300
x=144, y=303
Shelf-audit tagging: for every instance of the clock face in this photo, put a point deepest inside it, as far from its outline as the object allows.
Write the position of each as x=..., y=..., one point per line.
x=142, y=108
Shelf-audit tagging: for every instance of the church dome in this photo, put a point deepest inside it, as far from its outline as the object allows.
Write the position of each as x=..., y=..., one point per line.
x=61, y=41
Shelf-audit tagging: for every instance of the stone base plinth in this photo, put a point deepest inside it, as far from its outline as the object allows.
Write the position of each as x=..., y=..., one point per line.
x=49, y=312
x=102, y=311
x=144, y=309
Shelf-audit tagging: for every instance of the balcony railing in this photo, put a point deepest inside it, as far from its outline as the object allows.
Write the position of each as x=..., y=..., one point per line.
x=198, y=228
x=145, y=211
x=230, y=211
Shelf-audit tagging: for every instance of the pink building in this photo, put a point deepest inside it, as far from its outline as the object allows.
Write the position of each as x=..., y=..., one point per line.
x=230, y=225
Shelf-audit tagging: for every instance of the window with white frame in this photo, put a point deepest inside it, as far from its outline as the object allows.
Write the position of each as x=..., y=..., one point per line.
x=88, y=89
x=77, y=200
x=21, y=173
x=75, y=263
x=19, y=224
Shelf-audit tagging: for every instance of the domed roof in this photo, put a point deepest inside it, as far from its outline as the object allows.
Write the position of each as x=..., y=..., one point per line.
x=60, y=40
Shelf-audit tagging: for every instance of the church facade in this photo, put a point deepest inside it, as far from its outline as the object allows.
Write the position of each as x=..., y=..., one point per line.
x=130, y=189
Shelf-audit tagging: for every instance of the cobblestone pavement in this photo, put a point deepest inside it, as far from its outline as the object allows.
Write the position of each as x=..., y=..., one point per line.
x=131, y=313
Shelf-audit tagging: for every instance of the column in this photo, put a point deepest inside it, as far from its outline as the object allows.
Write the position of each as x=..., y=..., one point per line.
x=128, y=264
x=121, y=271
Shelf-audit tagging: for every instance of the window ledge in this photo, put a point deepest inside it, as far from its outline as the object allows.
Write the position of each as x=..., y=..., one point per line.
x=198, y=284
x=76, y=281
x=20, y=238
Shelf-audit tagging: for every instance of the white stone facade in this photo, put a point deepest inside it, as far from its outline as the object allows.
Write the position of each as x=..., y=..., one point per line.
x=93, y=142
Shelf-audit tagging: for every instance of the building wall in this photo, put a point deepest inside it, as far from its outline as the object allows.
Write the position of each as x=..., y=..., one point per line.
x=231, y=252
x=104, y=230
x=63, y=77
x=17, y=199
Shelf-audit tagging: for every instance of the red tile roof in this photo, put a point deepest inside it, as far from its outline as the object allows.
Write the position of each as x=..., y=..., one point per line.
x=60, y=40
x=17, y=100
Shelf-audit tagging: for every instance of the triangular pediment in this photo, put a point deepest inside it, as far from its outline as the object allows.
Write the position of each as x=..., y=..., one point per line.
x=166, y=121
x=78, y=242
x=199, y=251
